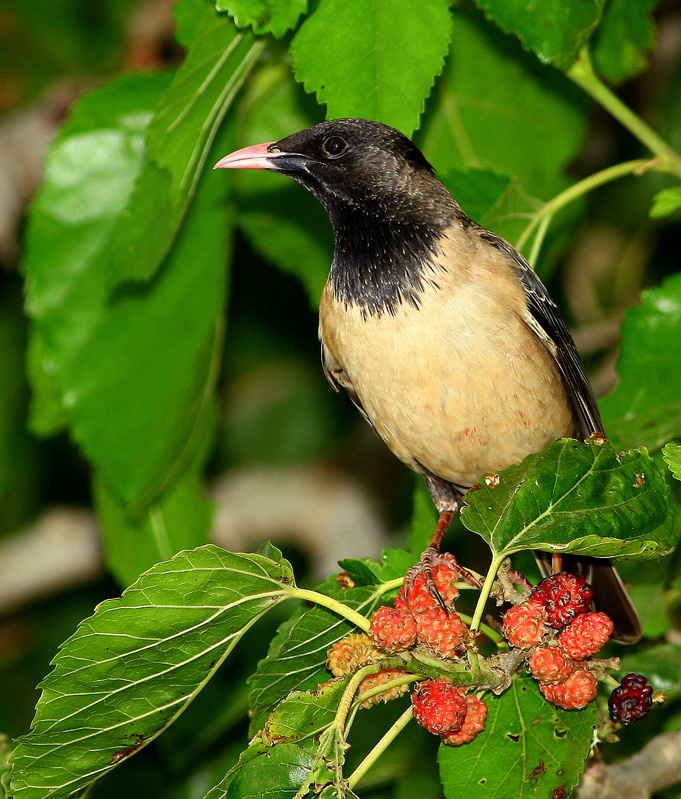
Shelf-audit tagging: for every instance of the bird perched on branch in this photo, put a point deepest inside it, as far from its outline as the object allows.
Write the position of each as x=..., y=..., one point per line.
x=439, y=331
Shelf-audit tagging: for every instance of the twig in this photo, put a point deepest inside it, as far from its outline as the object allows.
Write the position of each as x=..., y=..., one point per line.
x=655, y=767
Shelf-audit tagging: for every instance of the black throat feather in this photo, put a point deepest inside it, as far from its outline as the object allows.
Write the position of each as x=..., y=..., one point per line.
x=379, y=265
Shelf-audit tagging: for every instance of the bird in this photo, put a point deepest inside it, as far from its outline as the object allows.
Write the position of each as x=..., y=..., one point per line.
x=439, y=331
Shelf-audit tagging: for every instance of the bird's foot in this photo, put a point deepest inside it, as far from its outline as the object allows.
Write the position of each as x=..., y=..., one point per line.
x=438, y=584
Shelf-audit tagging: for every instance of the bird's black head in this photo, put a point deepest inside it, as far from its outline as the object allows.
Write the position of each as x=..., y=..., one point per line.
x=388, y=209
x=355, y=165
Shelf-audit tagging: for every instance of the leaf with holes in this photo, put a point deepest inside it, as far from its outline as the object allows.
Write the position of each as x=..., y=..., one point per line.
x=527, y=750
x=579, y=497
x=131, y=668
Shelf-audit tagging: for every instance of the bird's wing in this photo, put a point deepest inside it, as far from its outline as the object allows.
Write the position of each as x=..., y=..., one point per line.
x=545, y=321
x=338, y=378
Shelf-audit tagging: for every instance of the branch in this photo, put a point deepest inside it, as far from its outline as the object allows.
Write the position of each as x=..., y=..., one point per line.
x=655, y=767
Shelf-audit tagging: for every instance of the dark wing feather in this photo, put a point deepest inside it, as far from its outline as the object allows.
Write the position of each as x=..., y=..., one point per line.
x=547, y=323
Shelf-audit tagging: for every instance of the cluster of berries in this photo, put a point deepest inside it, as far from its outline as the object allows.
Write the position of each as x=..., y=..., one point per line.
x=418, y=619
x=559, y=661
x=554, y=624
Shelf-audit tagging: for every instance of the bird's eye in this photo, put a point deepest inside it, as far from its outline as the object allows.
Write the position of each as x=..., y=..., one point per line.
x=334, y=146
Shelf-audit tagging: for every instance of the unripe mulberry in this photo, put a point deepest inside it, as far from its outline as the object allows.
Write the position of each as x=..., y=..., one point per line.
x=574, y=693
x=443, y=633
x=525, y=624
x=550, y=665
x=438, y=706
x=381, y=678
x=393, y=630
x=474, y=723
x=351, y=653
x=585, y=635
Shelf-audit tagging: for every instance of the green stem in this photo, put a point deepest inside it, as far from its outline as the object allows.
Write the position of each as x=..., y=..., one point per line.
x=539, y=239
x=485, y=591
x=405, y=679
x=331, y=604
x=579, y=189
x=582, y=73
x=385, y=587
x=349, y=694
x=380, y=747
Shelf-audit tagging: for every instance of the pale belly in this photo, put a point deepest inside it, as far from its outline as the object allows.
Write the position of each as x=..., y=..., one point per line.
x=460, y=387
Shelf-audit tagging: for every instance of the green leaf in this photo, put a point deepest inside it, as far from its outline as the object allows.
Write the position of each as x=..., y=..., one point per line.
x=181, y=519
x=255, y=748
x=89, y=175
x=672, y=456
x=133, y=667
x=283, y=222
x=477, y=190
x=296, y=659
x=179, y=139
x=373, y=59
x=623, y=39
x=645, y=406
x=275, y=772
x=666, y=202
x=528, y=748
x=481, y=118
x=576, y=497
x=137, y=394
x=264, y=16
x=5, y=753
x=555, y=30
x=305, y=714
x=363, y=571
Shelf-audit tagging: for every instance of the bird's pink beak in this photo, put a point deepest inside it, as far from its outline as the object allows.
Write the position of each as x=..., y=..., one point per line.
x=257, y=156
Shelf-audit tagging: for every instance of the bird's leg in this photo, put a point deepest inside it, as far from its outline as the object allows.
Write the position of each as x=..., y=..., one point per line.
x=446, y=498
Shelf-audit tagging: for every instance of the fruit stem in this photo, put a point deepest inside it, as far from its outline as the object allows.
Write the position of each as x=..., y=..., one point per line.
x=380, y=747
x=349, y=694
x=385, y=587
x=497, y=560
x=331, y=604
x=405, y=679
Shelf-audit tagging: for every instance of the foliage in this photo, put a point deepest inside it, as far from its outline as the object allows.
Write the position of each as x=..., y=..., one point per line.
x=130, y=247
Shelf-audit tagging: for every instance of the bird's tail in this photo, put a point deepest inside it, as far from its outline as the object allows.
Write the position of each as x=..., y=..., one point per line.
x=609, y=594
